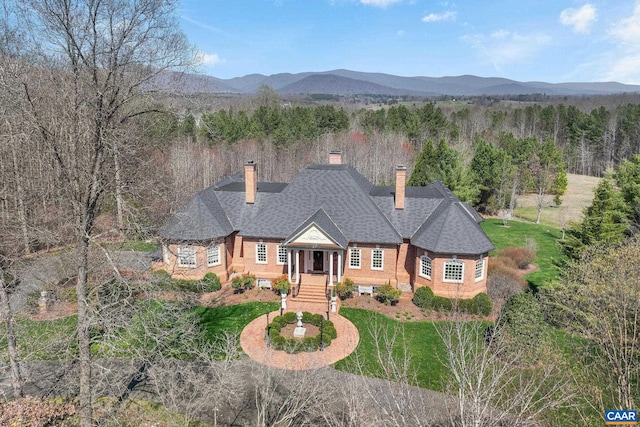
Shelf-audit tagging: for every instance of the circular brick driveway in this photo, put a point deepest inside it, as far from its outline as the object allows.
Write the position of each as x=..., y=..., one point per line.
x=253, y=344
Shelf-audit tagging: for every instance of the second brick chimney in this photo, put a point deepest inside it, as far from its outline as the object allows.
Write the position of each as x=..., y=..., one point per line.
x=401, y=179
x=250, y=182
x=335, y=157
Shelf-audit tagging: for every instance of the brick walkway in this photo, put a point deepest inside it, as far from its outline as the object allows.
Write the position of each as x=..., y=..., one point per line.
x=253, y=343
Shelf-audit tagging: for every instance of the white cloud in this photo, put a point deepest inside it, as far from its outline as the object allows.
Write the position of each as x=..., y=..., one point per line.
x=624, y=61
x=579, y=19
x=503, y=47
x=379, y=3
x=400, y=33
x=628, y=29
x=437, y=17
x=209, y=60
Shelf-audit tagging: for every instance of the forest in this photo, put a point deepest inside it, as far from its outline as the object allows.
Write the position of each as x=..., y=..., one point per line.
x=94, y=155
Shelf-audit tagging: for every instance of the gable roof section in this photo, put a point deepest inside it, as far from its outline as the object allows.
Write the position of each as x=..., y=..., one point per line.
x=340, y=191
x=202, y=219
x=325, y=224
x=451, y=230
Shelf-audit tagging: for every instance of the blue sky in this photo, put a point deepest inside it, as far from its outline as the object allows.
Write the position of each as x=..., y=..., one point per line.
x=526, y=40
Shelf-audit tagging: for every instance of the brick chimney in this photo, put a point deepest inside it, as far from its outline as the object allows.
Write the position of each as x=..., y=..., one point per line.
x=250, y=182
x=335, y=157
x=401, y=179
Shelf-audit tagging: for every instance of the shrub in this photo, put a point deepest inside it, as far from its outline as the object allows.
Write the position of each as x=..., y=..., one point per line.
x=243, y=283
x=483, y=302
x=423, y=297
x=161, y=278
x=211, y=282
x=501, y=263
x=289, y=317
x=282, y=284
x=521, y=256
x=295, y=345
x=388, y=295
x=442, y=304
x=345, y=288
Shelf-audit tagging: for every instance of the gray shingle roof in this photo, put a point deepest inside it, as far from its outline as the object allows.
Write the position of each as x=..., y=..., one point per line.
x=337, y=189
x=451, y=230
x=202, y=219
x=341, y=202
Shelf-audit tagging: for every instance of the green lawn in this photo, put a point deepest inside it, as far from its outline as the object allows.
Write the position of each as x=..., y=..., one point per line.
x=422, y=341
x=516, y=234
x=232, y=318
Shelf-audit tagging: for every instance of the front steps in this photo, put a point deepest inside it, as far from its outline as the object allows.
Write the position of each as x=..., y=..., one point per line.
x=312, y=289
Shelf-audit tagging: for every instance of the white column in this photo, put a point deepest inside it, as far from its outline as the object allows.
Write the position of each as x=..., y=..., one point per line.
x=340, y=266
x=297, y=265
x=330, y=268
x=289, y=264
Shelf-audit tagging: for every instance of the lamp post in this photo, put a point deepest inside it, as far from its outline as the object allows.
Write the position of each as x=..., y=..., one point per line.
x=328, y=303
x=268, y=332
x=321, y=344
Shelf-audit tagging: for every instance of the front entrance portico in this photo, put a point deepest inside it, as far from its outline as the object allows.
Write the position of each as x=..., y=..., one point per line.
x=314, y=260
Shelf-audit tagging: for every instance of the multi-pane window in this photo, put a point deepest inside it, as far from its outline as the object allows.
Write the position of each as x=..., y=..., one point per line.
x=261, y=253
x=480, y=268
x=282, y=255
x=453, y=271
x=377, y=259
x=213, y=255
x=354, y=258
x=425, y=266
x=186, y=256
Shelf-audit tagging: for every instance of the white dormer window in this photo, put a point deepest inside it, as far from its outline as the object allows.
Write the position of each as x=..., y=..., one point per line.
x=213, y=255
x=454, y=271
x=187, y=256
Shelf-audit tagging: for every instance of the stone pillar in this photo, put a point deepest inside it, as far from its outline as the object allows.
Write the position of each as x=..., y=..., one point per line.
x=43, y=302
x=289, y=265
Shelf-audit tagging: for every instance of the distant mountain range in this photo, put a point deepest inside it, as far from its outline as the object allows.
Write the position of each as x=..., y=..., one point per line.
x=346, y=82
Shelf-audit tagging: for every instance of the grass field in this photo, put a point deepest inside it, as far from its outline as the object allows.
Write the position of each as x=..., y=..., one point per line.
x=548, y=251
x=578, y=196
x=232, y=318
x=421, y=338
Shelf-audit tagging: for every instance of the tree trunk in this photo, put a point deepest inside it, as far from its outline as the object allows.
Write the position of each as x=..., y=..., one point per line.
x=84, y=341
x=5, y=310
x=118, y=184
x=22, y=214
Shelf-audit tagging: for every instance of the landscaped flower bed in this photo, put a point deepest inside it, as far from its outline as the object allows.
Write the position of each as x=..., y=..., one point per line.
x=309, y=343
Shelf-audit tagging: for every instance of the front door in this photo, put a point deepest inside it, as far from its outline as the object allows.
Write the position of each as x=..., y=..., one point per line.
x=318, y=261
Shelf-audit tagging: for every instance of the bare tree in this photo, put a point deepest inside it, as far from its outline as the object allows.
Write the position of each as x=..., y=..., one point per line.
x=7, y=318
x=93, y=62
x=490, y=385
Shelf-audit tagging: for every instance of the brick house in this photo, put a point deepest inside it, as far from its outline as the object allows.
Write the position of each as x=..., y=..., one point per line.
x=328, y=223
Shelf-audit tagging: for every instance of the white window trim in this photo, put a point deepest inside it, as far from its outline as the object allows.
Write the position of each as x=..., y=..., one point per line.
x=422, y=260
x=381, y=259
x=482, y=268
x=280, y=261
x=194, y=255
x=266, y=256
x=444, y=271
x=359, y=251
x=209, y=255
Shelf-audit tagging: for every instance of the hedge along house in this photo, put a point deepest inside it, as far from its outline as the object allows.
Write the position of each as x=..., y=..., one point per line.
x=329, y=223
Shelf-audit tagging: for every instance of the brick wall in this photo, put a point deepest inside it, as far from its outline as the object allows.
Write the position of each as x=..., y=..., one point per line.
x=467, y=289
x=201, y=268
x=365, y=275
